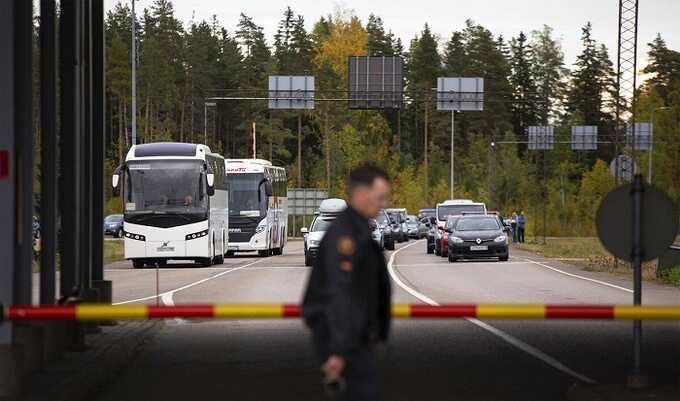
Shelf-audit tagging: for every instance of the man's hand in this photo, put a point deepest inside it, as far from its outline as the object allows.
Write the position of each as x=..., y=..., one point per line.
x=333, y=367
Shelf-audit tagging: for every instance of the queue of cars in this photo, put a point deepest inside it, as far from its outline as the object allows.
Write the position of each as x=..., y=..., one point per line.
x=389, y=227
x=463, y=229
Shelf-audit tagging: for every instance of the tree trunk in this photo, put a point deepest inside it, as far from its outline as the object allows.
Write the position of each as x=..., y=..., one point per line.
x=146, y=127
x=328, y=153
x=299, y=150
x=425, y=146
x=125, y=119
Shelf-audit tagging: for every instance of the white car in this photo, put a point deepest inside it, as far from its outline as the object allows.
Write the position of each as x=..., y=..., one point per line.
x=328, y=211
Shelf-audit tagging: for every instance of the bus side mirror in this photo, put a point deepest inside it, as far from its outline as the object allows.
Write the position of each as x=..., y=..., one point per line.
x=268, y=190
x=210, y=178
x=115, y=182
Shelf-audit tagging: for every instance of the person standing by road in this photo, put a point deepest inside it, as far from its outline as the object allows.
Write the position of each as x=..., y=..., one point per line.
x=347, y=303
x=513, y=226
x=521, y=226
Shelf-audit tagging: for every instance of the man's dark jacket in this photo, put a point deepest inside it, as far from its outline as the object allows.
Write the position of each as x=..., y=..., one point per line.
x=347, y=302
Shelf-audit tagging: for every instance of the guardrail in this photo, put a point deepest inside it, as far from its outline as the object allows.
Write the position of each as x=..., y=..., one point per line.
x=100, y=312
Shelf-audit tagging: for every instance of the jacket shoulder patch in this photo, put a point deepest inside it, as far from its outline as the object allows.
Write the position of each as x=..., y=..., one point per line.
x=346, y=245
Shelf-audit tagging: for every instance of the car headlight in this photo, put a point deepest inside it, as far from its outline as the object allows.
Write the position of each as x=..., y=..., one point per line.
x=260, y=228
x=313, y=242
x=501, y=238
x=199, y=234
x=137, y=237
x=456, y=240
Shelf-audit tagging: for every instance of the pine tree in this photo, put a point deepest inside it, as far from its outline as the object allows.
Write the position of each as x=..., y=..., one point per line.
x=664, y=66
x=455, y=57
x=549, y=73
x=524, y=108
x=282, y=43
x=380, y=43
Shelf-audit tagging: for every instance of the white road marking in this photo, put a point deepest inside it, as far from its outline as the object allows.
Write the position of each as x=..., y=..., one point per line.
x=187, y=286
x=592, y=280
x=533, y=351
x=446, y=263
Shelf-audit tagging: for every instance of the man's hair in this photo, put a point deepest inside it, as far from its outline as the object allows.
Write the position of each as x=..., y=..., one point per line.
x=364, y=176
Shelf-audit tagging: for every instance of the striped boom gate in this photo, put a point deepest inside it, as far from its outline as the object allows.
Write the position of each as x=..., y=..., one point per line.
x=96, y=312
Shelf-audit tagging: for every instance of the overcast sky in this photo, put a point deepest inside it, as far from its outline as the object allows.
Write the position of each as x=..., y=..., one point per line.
x=506, y=17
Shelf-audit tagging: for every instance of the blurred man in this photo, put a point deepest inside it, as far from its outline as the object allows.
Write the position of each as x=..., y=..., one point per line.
x=347, y=301
x=513, y=225
x=521, y=226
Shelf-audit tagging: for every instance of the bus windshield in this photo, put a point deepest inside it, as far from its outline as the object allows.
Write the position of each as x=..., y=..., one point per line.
x=243, y=195
x=453, y=210
x=165, y=187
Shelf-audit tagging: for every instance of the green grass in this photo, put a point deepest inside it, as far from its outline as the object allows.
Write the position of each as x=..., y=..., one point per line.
x=587, y=253
x=114, y=251
x=672, y=276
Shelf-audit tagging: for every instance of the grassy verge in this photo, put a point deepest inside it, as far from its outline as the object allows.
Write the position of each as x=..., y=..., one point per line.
x=672, y=276
x=590, y=255
x=114, y=251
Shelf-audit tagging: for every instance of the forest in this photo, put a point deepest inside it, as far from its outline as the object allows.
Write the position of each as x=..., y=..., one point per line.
x=526, y=82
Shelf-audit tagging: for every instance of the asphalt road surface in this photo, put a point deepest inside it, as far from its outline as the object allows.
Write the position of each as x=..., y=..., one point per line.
x=425, y=360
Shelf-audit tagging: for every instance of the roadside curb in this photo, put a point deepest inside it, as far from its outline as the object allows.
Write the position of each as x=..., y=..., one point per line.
x=614, y=392
x=78, y=376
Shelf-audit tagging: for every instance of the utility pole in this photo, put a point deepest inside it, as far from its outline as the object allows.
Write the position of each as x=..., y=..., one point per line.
x=134, y=75
x=453, y=113
x=427, y=110
x=254, y=140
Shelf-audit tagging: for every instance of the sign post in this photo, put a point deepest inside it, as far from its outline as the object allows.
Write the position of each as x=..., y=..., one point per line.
x=458, y=94
x=637, y=222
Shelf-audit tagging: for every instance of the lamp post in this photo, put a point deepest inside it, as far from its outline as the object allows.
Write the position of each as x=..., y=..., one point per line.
x=134, y=75
x=651, y=145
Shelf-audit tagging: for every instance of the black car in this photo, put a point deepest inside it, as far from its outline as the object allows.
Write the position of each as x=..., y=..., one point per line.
x=477, y=236
x=113, y=225
x=385, y=225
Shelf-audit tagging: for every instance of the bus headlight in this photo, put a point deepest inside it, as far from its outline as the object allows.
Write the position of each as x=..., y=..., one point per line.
x=137, y=237
x=261, y=226
x=199, y=234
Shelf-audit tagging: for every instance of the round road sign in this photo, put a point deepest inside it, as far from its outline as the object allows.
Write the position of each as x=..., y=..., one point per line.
x=659, y=222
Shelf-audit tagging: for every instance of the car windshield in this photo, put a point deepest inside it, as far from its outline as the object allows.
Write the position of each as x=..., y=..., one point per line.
x=321, y=224
x=243, y=195
x=114, y=218
x=382, y=219
x=448, y=210
x=165, y=186
x=477, y=224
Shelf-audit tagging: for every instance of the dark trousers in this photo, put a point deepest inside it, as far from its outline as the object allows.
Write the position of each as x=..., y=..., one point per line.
x=361, y=369
x=520, y=234
x=361, y=376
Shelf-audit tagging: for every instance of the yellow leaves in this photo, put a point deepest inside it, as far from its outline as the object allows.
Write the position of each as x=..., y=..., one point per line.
x=347, y=38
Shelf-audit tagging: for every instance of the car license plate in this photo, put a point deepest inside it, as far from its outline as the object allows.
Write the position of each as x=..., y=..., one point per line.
x=479, y=248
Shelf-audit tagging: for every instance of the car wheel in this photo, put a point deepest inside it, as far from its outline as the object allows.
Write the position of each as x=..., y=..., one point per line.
x=503, y=258
x=205, y=262
x=119, y=233
x=137, y=264
x=230, y=254
x=452, y=258
x=264, y=253
x=308, y=260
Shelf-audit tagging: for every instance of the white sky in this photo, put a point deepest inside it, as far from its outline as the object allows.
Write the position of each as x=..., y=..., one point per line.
x=506, y=17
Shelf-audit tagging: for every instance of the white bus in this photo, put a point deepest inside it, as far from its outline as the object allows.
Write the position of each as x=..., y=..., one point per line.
x=175, y=202
x=258, y=209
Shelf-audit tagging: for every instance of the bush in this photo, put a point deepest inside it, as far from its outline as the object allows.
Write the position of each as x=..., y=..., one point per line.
x=672, y=276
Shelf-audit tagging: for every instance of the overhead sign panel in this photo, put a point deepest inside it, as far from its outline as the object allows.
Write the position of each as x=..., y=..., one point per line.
x=643, y=136
x=623, y=167
x=541, y=137
x=305, y=201
x=376, y=82
x=584, y=137
x=460, y=94
x=291, y=92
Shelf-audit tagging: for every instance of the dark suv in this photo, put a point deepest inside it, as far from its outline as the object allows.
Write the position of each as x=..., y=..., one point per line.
x=477, y=236
x=113, y=225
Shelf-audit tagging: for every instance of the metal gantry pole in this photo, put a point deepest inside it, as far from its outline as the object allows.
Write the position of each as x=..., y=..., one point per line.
x=134, y=75
x=48, y=150
x=453, y=113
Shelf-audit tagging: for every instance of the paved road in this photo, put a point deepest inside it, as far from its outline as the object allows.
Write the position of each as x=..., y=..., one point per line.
x=426, y=360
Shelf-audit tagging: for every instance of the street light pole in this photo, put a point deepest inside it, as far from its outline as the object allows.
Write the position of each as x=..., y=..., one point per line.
x=453, y=113
x=134, y=75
